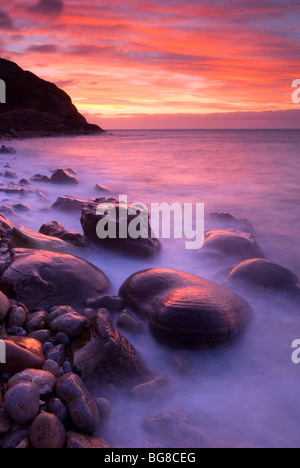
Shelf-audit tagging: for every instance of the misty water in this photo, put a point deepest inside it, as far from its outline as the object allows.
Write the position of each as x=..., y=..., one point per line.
x=244, y=395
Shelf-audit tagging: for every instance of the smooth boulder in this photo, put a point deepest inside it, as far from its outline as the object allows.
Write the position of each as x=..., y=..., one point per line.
x=231, y=243
x=184, y=310
x=22, y=353
x=39, y=278
x=64, y=176
x=68, y=321
x=22, y=402
x=28, y=239
x=47, y=432
x=44, y=381
x=55, y=229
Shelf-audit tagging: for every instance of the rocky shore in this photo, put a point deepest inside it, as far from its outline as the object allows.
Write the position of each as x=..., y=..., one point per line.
x=65, y=333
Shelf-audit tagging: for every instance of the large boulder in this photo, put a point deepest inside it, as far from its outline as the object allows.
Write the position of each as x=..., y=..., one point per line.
x=64, y=176
x=55, y=229
x=105, y=356
x=142, y=246
x=266, y=276
x=231, y=243
x=184, y=310
x=22, y=402
x=69, y=204
x=47, y=432
x=22, y=353
x=44, y=381
x=68, y=321
x=35, y=107
x=44, y=279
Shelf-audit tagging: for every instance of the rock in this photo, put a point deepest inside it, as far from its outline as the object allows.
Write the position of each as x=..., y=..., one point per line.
x=81, y=441
x=41, y=335
x=36, y=108
x=6, y=227
x=62, y=338
x=57, y=408
x=129, y=323
x=5, y=422
x=47, y=432
x=17, y=317
x=7, y=150
x=141, y=247
x=52, y=367
x=82, y=408
x=45, y=381
x=102, y=189
x=28, y=239
x=36, y=321
x=104, y=411
x=69, y=204
x=22, y=353
x=10, y=174
x=24, y=182
x=226, y=219
x=68, y=321
x=111, y=303
x=57, y=354
x=17, y=437
x=54, y=229
x=105, y=356
x=13, y=188
x=63, y=176
x=266, y=276
x=4, y=306
x=40, y=178
x=16, y=331
x=184, y=310
x=155, y=389
x=44, y=279
x=22, y=402
x=172, y=430
x=231, y=243
x=67, y=368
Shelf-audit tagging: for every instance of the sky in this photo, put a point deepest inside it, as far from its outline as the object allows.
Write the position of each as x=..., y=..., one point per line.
x=163, y=63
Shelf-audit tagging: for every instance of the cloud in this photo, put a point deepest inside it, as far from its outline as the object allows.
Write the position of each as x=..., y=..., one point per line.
x=43, y=48
x=5, y=21
x=47, y=7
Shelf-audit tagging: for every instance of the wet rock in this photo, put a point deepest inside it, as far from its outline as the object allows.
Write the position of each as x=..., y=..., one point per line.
x=16, y=331
x=22, y=353
x=24, y=182
x=36, y=321
x=6, y=227
x=67, y=368
x=13, y=188
x=22, y=402
x=41, y=335
x=66, y=320
x=184, y=310
x=69, y=204
x=44, y=279
x=64, y=176
x=47, y=432
x=10, y=174
x=7, y=150
x=18, y=436
x=173, y=430
x=28, y=239
x=5, y=422
x=17, y=317
x=265, y=276
x=129, y=323
x=57, y=408
x=141, y=247
x=81, y=441
x=4, y=306
x=40, y=178
x=112, y=303
x=54, y=229
x=52, y=367
x=62, y=338
x=45, y=381
x=231, y=243
x=103, y=355
x=57, y=354
x=102, y=189
x=82, y=407
x=228, y=220
x=156, y=388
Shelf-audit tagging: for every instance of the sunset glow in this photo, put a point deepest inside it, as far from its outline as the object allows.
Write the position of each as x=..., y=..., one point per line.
x=124, y=61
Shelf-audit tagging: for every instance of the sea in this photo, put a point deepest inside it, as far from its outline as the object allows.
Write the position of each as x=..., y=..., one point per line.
x=244, y=395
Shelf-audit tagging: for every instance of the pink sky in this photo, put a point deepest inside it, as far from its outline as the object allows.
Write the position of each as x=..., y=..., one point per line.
x=154, y=64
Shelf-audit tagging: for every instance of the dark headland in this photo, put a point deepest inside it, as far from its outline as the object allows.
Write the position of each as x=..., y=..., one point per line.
x=37, y=108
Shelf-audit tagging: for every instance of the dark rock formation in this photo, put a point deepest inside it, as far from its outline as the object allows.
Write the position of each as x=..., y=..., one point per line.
x=231, y=243
x=37, y=108
x=55, y=229
x=184, y=310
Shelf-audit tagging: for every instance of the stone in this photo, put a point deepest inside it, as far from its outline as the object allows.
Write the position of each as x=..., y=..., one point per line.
x=69, y=204
x=44, y=279
x=82, y=441
x=52, y=367
x=232, y=243
x=5, y=422
x=22, y=353
x=47, y=432
x=17, y=317
x=266, y=276
x=129, y=323
x=101, y=354
x=64, y=176
x=54, y=229
x=36, y=321
x=22, y=402
x=57, y=408
x=82, y=407
x=41, y=335
x=104, y=411
x=4, y=306
x=7, y=150
x=62, y=338
x=228, y=220
x=102, y=188
x=40, y=178
x=70, y=323
x=16, y=331
x=45, y=381
x=113, y=304
x=10, y=174
x=18, y=436
x=28, y=239
x=67, y=368
x=154, y=389
x=141, y=247
x=186, y=311
x=57, y=354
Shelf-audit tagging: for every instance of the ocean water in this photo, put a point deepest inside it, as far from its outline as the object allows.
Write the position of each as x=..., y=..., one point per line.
x=245, y=395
